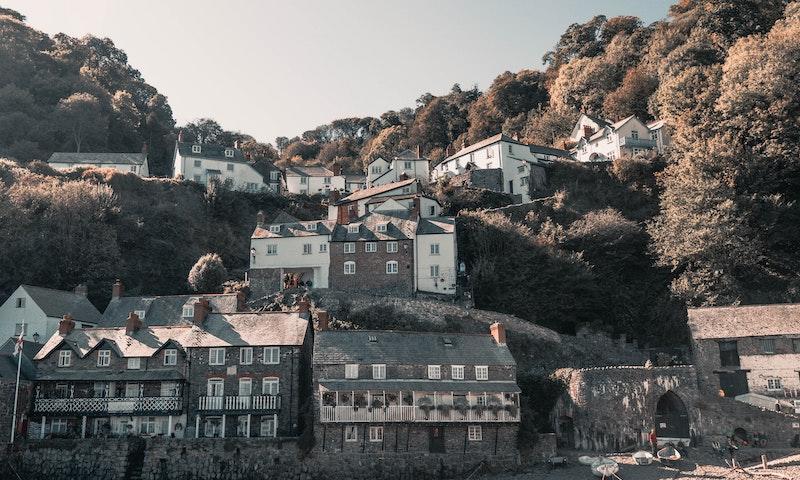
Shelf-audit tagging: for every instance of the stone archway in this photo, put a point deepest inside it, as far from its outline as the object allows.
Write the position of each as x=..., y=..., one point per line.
x=672, y=417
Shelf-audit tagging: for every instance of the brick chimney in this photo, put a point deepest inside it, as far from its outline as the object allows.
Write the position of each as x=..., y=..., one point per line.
x=241, y=301
x=419, y=151
x=322, y=319
x=416, y=208
x=66, y=325
x=260, y=219
x=342, y=215
x=117, y=290
x=336, y=169
x=498, y=331
x=201, y=310
x=587, y=131
x=303, y=308
x=132, y=324
x=81, y=289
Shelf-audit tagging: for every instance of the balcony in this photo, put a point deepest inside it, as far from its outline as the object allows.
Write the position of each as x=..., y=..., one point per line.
x=108, y=405
x=252, y=402
x=631, y=142
x=398, y=413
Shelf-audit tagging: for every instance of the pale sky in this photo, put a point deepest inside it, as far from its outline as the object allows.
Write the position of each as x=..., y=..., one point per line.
x=272, y=68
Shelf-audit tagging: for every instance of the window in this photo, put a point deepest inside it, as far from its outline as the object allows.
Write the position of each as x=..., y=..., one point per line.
x=245, y=387
x=391, y=267
x=303, y=180
x=523, y=181
x=370, y=247
x=272, y=355
x=196, y=149
x=767, y=345
x=434, y=372
x=379, y=371
x=212, y=426
x=489, y=153
x=269, y=385
x=382, y=227
x=326, y=180
x=20, y=329
x=274, y=175
x=323, y=248
x=352, y=228
x=375, y=434
x=351, y=370
x=246, y=356
x=349, y=268
x=134, y=363
x=229, y=167
x=434, y=249
x=432, y=210
x=510, y=149
x=272, y=249
x=20, y=302
x=275, y=228
x=242, y=426
x=434, y=271
x=521, y=168
x=229, y=154
x=132, y=390
x=216, y=356
x=376, y=169
x=311, y=226
x=474, y=433
x=635, y=134
x=62, y=390
x=407, y=165
x=796, y=345
x=391, y=247
x=58, y=425
x=169, y=389
x=654, y=136
x=774, y=384
x=64, y=358
x=268, y=425
x=215, y=388
x=729, y=354
x=481, y=373
x=406, y=189
x=170, y=356
x=351, y=433
x=457, y=372
x=147, y=425
x=349, y=247
x=100, y=390
x=197, y=178
x=306, y=249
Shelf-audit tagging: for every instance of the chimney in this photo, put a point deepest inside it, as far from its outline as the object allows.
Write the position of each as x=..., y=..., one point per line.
x=587, y=131
x=336, y=169
x=450, y=150
x=464, y=143
x=241, y=301
x=419, y=151
x=322, y=319
x=303, y=308
x=260, y=219
x=498, y=331
x=333, y=197
x=416, y=208
x=117, y=289
x=132, y=324
x=180, y=135
x=66, y=325
x=82, y=290
x=201, y=309
x=342, y=215
x=144, y=149
x=403, y=176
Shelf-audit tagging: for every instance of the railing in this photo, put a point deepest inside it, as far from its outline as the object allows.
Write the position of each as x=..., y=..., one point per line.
x=404, y=413
x=252, y=402
x=637, y=142
x=108, y=405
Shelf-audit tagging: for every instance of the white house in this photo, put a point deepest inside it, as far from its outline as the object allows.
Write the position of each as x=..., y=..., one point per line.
x=514, y=159
x=354, y=183
x=357, y=204
x=599, y=140
x=436, y=255
x=41, y=309
x=203, y=162
x=404, y=165
x=124, y=162
x=314, y=179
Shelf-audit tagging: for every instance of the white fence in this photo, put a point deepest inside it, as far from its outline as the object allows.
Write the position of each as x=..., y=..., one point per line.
x=397, y=413
x=252, y=402
x=108, y=405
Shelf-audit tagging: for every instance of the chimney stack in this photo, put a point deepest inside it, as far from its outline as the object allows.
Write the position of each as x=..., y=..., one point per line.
x=66, y=325
x=260, y=219
x=419, y=151
x=132, y=324
x=587, y=131
x=201, y=310
x=81, y=289
x=450, y=150
x=416, y=209
x=403, y=176
x=303, y=308
x=180, y=135
x=336, y=169
x=117, y=290
x=498, y=331
x=333, y=197
x=322, y=319
x=241, y=301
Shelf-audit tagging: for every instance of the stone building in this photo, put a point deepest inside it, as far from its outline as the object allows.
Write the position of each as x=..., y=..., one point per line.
x=380, y=392
x=8, y=384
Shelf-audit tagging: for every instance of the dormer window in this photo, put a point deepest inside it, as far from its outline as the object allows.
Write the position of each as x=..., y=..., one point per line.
x=352, y=228
x=195, y=148
x=140, y=314
x=275, y=228
x=188, y=311
x=229, y=152
x=382, y=227
x=311, y=226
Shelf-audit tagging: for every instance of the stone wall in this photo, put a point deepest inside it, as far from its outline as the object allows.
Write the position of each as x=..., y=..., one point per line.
x=264, y=281
x=69, y=460
x=488, y=178
x=7, y=388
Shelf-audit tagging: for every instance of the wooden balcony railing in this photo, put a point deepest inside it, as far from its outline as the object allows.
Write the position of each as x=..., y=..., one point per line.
x=252, y=402
x=108, y=405
x=405, y=413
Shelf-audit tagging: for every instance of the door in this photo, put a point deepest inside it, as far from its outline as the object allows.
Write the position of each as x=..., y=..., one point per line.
x=672, y=418
x=437, y=440
x=733, y=383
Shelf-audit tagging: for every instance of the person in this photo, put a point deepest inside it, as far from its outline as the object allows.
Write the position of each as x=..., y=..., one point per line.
x=653, y=441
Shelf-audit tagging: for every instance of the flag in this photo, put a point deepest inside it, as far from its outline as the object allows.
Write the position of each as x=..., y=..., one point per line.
x=18, y=345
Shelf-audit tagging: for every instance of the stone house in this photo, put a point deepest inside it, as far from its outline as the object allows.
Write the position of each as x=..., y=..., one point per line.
x=384, y=392
x=600, y=140
x=406, y=164
x=135, y=163
x=214, y=375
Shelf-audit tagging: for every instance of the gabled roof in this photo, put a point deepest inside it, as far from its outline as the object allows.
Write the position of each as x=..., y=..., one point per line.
x=745, y=321
x=284, y=217
x=400, y=225
x=436, y=225
x=550, y=151
x=656, y=124
x=372, y=191
x=8, y=362
x=165, y=309
x=57, y=303
x=296, y=229
x=212, y=151
x=500, y=137
x=308, y=171
x=409, y=155
x=408, y=348
x=98, y=158
x=264, y=168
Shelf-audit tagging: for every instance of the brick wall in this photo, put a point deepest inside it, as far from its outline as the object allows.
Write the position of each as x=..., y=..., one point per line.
x=371, y=273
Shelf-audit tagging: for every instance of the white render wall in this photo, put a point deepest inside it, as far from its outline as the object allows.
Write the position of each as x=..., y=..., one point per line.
x=242, y=177
x=140, y=170
x=36, y=321
x=290, y=255
x=314, y=185
x=375, y=169
x=445, y=282
x=762, y=367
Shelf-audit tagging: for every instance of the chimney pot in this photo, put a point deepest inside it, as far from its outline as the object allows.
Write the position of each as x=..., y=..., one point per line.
x=323, y=320
x=498, y=331
x=201, y=310
x=66, y=325
x=117, y=289
x=132, y=324
x=81, y=289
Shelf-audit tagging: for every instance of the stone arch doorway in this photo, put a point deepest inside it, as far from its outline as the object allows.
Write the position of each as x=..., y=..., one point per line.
x=566, y=432
x=672, y=418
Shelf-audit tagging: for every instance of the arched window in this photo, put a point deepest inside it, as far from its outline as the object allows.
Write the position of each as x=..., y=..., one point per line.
x=391, y=267
x=349, y=268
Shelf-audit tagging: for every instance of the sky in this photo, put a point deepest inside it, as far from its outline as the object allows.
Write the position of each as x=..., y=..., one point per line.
x=270, y=68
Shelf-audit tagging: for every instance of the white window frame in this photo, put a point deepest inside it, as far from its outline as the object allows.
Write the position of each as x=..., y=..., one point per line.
x=20, y=302
x=383, y=227
x=303, y=180
x=371, y=247
x=391, y=247
x=274, y=175
x=434, y=372
x=64, y=358
x=435, y=249
x=376, y=434
x=311, y=226
x=481, y=372
x=135, y=363
x=349, y=247
x=434, y=271
x=246, y=356
x=58, y=425
x=353, y=228
x=774, y=384
x=148, y=426
x=245, y=387
x=188, y=311
x=269, y=426
x=214, y=356
x=474, y=433
x=270, y=386
x=379, y=371
x=272, y=249
x=133, y=390
x=211, y=387
x=392, y=267
x=275, y=228
x=350, y=268
x=271, y=355
x=140, y=313
x=196, y=149
x=104, y=358
x=457, y=372
x=170, y=356
x=169, y=389
x=323, y=248
x=351, y=371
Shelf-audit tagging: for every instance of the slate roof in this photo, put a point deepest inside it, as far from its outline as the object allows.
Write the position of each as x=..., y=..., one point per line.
x=264, y=167
x=296, y=229
x=208, y=150
x=355, y=178
x=165, y=309
x=283, y=217
x=96, y=158
x=8, y=362
x=372, y=191
x=745, y=321
x=308, y=171
x=483, y=143
x=420, y=385
x=57, y=303
x=436, y=225
x=408, y=348
x=108, y=375
x=550, y=151
x=400, y=226
x=219, y=330
x=599, y=121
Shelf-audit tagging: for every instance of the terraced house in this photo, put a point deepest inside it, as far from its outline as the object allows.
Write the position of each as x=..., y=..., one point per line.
x=390, y=391
x=213, y=375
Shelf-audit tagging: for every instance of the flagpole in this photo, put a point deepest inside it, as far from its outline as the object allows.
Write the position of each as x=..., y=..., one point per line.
x=16, y=390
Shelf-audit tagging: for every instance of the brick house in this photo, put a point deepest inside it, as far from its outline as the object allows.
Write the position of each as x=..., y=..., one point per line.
x=427, y=393
x=216, y=375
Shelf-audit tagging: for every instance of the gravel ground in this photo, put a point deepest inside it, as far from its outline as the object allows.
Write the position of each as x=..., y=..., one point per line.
x=700, y=465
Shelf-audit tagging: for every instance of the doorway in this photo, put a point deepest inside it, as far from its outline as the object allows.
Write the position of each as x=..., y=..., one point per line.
x=672, y=418
x=436, y=444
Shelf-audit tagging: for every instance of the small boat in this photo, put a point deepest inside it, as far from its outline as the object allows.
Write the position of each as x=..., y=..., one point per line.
x=643, y=458
x=669, y=453
x=604, y=467
x=587, y=460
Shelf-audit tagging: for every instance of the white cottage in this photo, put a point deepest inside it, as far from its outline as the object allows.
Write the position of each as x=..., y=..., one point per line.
x=599, y=140
x=135, y=163
x=314, y=179
x=404, y=165
x=229, y=166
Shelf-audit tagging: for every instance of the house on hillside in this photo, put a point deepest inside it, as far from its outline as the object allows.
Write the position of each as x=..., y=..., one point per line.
x=40, y=310
x=384, y=392
x=135, y=163
x=364, y=201
x=204, y=163
x=518, y=168
x=599, y=140
x=404, y=165
x=212, y=375
x=353, y=183
x=314, y=179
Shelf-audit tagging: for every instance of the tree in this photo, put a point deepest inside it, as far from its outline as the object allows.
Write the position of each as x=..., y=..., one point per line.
x=203, y=130
x=510, y=95
x=632, y=97
x=208, y=274
x=81, y=117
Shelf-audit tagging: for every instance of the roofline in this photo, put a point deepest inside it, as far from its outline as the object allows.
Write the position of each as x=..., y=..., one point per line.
x=796, y=304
